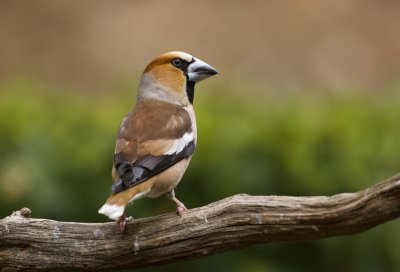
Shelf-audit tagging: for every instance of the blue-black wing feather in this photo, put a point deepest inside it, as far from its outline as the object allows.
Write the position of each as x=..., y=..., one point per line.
x=131, y=174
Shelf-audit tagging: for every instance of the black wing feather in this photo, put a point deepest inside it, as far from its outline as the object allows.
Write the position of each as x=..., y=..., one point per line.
x=141, y=170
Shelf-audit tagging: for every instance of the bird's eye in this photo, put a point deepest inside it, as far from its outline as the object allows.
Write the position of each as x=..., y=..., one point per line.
x=176, y=62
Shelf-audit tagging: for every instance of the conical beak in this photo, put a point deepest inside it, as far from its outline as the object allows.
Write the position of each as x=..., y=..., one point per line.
x=199, y=70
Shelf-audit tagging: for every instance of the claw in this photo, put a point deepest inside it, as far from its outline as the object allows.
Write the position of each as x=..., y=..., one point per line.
x=122, y=222
x=180, y=209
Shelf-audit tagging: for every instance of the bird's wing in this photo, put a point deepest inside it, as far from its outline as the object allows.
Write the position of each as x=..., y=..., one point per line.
x=152, y=138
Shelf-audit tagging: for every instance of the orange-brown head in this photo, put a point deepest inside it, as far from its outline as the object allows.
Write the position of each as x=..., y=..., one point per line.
x=171, y=77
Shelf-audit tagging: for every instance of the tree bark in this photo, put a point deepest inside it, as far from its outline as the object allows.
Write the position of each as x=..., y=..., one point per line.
x=30, y=244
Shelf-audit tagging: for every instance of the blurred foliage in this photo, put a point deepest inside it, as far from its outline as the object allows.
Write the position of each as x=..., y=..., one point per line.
x=56, y=151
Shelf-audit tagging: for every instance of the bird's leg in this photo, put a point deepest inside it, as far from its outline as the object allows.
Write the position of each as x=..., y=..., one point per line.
x=180, y=207
x=122, y=221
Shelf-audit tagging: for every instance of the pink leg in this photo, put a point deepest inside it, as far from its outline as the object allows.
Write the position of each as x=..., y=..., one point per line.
x=122, y=222
x=180, y=207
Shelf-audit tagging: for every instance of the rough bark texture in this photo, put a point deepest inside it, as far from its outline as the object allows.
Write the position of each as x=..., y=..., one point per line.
x=235, y=222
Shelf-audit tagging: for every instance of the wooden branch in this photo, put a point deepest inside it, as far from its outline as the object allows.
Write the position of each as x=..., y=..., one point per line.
x=45, y=245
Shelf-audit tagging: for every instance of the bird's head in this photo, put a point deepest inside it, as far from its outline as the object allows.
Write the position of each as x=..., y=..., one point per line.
x=171, y=77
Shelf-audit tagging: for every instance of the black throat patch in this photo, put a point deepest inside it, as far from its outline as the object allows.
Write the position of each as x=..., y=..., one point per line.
x=190, y=90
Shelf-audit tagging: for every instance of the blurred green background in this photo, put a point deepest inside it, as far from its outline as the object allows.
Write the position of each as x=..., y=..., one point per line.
x=306, y=103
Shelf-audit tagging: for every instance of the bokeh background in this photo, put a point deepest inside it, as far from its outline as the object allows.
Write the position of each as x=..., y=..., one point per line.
x=306, y=103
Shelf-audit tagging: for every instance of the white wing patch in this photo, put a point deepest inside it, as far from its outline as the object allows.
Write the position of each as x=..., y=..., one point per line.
x=179, y=144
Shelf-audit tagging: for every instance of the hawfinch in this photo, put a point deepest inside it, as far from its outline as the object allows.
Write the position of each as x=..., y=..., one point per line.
x=157, y=138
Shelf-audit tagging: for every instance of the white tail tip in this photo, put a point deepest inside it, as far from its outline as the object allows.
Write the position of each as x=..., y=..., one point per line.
x=112, y=211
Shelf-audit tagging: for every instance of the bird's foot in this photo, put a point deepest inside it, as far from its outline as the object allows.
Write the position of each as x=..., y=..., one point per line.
x=122, y=222
x=180, y=208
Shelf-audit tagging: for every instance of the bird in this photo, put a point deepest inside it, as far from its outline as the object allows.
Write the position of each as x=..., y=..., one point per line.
x=156, y=140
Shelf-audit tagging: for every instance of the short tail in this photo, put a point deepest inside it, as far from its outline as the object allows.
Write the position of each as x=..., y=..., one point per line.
x=113, y=211
x=116, y=203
